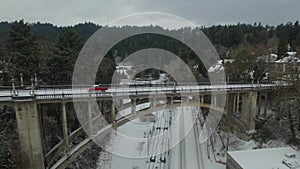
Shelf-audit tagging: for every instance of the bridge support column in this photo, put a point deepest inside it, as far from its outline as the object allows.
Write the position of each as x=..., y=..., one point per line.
x=65, y=126
x=234, y=104
x=237, y=110
x=30, y=135
x=90, y=118
x=214, y=99
x=113, y=112
x=258, y=104
x=133, y=106
x=102, y=106
x=121, y=102
x=201, y=99
x=153, y=102
x=266, y=105
x=248, y=112
x=230, y=104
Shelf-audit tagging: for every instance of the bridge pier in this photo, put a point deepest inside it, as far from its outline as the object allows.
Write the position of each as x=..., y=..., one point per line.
x=259, y=100
x=214, y=99
x=152, y=102
x=236, y=101
x=90, y=118
x=234, y=104
x=230, y=105
x=237, y=110
x=201, y=98
x=65, y=126
x=113, y=113
x=262, y=99
x=30, y=135
x=133, y=106
x=248, y=113
x=266, y=105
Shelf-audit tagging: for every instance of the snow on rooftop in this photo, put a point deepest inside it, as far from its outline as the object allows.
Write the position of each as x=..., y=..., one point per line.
x=283, y=60
x=266, y=158
x=288, y=59
x=291, y=53
x=124, y=67
x=219, y=65
x=268, y=58
x=273, y=55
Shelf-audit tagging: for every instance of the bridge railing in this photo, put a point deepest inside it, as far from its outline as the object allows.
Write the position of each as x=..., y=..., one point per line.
x=145, y=91
x=28, y=87
x=125, y=90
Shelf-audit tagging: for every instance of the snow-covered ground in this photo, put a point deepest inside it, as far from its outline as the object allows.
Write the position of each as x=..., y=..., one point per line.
x=137, y=144
x=143, y=152
x=187, y=154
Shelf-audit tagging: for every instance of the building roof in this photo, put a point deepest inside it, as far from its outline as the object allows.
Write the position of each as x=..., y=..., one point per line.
x=219, y=65
x=271, y=158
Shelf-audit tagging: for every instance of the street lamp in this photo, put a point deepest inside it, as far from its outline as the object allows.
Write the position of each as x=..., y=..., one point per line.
x=32, y=86
x=13, y=86
x=35, y=80
x=21, y=79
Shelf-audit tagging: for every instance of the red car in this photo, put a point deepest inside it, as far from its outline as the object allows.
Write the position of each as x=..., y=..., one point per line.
x=98, y=88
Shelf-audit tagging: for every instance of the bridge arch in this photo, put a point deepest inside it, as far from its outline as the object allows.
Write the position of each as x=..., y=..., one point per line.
x=65, y=160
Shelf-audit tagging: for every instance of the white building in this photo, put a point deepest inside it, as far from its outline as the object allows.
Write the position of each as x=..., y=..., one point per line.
x=271, y=158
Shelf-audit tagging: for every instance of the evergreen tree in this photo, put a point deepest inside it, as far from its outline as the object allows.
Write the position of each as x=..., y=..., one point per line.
x=106, y=70
x=282, y=48
x=246, y=66
x=23, y=51
x=65, y=53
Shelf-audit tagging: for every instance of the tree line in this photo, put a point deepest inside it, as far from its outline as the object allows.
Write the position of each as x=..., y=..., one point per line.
x=50, y=52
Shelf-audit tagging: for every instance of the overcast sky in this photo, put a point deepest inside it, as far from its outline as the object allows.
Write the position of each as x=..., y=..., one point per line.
x=199, y=12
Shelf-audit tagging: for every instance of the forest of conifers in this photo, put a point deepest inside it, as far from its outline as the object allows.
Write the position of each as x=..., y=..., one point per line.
x=50, y=51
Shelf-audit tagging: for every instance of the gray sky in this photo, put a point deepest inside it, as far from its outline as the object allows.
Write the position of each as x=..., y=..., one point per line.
x=199, y=12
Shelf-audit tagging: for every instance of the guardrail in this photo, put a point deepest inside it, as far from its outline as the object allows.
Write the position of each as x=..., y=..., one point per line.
x=28, y=87
x=79, y=92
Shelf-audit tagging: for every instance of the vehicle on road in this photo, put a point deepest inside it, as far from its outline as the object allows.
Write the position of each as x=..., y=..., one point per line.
x=98, y=87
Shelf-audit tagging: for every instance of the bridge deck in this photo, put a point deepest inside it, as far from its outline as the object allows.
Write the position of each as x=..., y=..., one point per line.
x=123, y=91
